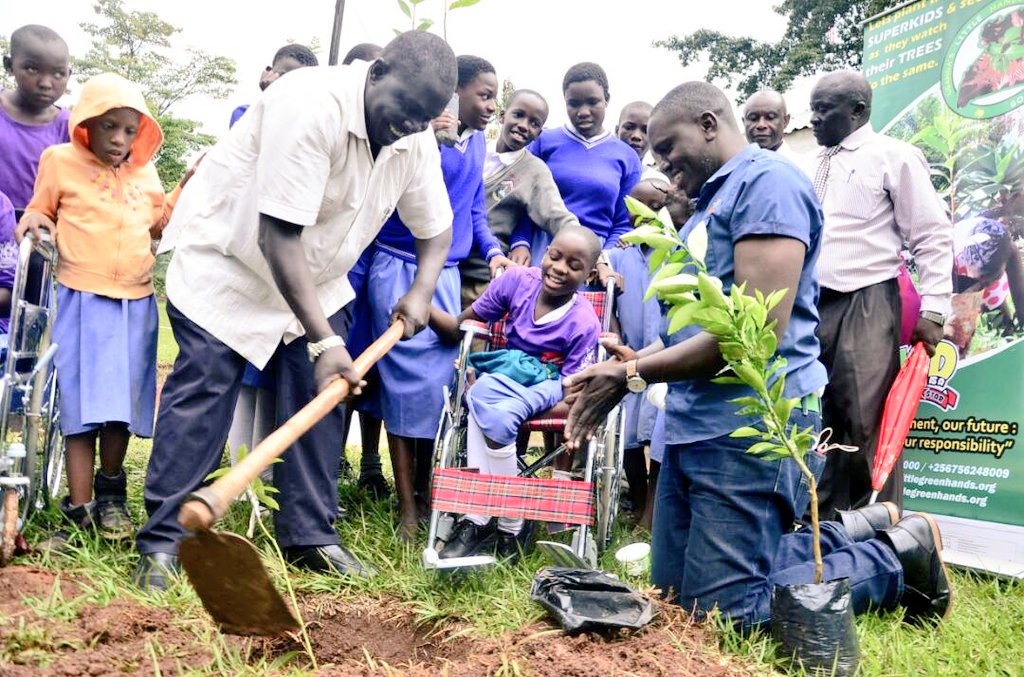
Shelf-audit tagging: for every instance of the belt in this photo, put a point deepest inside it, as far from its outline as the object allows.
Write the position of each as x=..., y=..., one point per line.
x=810, y=403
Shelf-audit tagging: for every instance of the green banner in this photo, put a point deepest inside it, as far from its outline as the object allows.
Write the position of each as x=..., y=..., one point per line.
x=949, y=78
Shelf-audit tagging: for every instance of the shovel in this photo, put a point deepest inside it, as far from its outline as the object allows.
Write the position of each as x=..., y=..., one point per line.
x=224, y=568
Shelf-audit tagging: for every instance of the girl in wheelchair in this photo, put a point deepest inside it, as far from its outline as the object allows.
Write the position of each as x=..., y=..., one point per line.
x=552, y=332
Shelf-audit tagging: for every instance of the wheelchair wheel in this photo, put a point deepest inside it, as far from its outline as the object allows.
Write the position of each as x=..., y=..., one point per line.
x=608, y=478
x=52, y=457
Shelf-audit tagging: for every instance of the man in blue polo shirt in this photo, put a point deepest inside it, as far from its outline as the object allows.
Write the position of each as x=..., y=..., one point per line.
x=722, y=516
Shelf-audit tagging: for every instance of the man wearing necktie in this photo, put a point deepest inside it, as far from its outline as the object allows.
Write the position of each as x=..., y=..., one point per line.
x=877, y=197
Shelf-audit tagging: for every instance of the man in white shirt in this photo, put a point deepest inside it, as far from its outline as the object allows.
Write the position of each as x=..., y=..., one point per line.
x=275, y=216
x=765, y=120
x=876, y=195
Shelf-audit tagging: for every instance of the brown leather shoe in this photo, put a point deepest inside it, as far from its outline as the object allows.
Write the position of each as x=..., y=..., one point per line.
x=927, y=594
x=864, y=523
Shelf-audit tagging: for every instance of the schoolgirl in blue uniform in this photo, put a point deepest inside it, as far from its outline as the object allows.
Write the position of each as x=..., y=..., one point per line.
x=414, y=372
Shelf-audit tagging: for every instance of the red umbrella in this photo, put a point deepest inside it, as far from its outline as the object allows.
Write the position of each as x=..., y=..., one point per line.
x=900, y=408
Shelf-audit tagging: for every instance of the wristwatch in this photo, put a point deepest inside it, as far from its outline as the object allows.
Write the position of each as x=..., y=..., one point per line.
x=635, y=383
x=318, y=348
x=932, y=316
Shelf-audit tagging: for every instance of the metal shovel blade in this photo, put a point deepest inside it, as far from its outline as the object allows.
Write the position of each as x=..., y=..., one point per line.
x=562, y=555
x=227, y=574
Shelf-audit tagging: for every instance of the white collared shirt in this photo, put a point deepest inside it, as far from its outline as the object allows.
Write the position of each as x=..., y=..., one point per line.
x=879, y=195
x=301, y=154
x=494, y=161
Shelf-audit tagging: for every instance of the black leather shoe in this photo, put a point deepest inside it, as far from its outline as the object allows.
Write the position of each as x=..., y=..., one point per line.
x=468, y=540
x=926, y=590
x=328, y=559
x=864, y=523
x=507, y=548
x=155, y=571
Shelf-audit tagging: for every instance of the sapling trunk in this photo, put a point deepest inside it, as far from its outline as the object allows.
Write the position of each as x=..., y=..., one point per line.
x=812, y=488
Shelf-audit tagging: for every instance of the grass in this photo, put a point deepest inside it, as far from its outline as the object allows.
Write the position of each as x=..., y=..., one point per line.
x=983, y=636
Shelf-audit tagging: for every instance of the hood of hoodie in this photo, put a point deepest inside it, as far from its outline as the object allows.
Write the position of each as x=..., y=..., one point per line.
x=107, y=91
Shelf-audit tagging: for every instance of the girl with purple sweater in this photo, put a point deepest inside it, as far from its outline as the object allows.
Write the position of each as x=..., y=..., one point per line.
x=593, y=169
x=548, y=321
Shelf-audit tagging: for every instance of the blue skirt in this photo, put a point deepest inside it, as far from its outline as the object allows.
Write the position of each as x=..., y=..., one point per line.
x=414, y=372
x=500, y=405
x=106, y=361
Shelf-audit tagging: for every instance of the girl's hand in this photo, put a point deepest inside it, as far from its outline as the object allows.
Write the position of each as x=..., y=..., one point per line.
x=520, y=256
x=605, y=272
x=618, y=350
x=499, y=262
x=34, y=224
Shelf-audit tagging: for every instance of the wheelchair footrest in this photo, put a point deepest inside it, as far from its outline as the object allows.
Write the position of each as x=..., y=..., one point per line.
x=543, y=500
x=432, y=561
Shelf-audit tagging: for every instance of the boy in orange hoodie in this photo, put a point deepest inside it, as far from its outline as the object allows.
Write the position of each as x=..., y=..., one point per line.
x=102, y=200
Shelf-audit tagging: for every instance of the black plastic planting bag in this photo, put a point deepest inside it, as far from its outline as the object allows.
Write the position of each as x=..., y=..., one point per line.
x=582, y=599
x=813, y=623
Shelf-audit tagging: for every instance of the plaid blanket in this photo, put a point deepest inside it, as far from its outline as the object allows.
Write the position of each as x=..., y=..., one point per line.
x=544, y=500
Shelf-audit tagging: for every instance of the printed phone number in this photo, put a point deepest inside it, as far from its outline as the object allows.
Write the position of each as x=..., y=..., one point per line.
x=956, y=469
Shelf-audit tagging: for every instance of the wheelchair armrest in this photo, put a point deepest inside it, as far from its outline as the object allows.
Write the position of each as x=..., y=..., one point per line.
x=474, y=327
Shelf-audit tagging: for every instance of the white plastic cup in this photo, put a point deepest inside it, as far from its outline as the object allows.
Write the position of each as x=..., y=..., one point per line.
x=635, y=557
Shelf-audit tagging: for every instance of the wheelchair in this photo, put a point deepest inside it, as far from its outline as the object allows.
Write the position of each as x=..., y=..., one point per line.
x=591, y=498
x=31, y=446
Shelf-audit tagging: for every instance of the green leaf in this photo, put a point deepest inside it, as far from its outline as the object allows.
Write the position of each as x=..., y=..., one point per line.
x=784, y=407
x=750, y=376
x=711, y=291
x=462, y=3
x=637, y=208
x=728, y=381
x=683, y=317
x=425, y=24
x=404, y=6
x=657, y=258
x=697, y=242
x=270, y=503
x=746, y=431
x=668, y=270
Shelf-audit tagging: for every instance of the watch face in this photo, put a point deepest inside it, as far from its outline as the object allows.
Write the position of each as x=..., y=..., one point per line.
x=636, y=385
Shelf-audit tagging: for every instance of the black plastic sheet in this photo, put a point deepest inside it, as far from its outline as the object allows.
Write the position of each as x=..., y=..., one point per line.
x=813, y=623
x=582, y=600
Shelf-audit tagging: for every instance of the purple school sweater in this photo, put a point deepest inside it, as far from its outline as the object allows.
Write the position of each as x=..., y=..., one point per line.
x=463, y=169
x=20, y=148
x=572, y=338
x=594, y=178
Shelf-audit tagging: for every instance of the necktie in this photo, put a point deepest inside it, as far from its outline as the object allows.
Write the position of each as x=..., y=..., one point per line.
x=821, y=176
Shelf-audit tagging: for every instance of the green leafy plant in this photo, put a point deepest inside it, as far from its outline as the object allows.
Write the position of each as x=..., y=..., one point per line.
x=746, y=339
x=260, y=489
x=409, y=9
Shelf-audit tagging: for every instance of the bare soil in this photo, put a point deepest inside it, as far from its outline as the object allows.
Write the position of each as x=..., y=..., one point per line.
x=48, y=627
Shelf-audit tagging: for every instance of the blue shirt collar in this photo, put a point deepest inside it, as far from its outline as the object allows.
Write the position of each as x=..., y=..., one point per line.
x=712, y=185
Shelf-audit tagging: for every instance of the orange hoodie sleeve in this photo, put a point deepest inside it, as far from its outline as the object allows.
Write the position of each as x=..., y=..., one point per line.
x=170, y=200
x=46, y=196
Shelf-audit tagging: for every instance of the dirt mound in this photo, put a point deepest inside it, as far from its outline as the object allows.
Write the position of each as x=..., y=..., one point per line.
x=45, y=632
x=356, y=639
x=49, y=626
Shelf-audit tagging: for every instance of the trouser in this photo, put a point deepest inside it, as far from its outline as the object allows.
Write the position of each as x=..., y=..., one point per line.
x=859, y=334
x=192, y=427
x=720, y=535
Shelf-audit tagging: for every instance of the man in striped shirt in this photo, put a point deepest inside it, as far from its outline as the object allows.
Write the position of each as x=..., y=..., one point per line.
x=876, y=195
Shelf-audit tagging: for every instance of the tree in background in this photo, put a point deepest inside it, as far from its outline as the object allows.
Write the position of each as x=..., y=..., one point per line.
x=6, y=81
x=821, y=36
x=137, y=45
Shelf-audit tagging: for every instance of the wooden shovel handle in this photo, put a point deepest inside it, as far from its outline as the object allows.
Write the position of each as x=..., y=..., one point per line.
x=208, y=504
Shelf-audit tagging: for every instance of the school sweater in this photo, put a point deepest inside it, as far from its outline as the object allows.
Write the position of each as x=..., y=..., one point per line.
x=594, y=177
x=106, y=216
x=519, y=196
x=463, y=169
